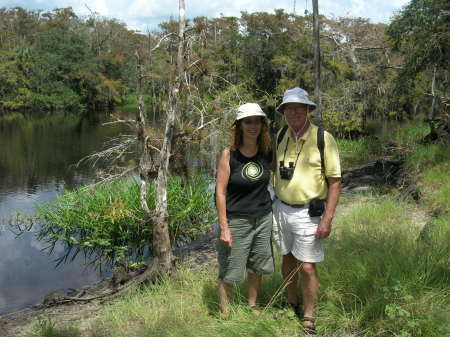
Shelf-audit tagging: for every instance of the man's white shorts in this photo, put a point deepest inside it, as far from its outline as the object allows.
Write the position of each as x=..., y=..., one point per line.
x=294, y=232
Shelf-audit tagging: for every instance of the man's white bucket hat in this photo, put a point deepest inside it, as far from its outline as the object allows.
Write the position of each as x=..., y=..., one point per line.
x=296, y=95
x=249, y=110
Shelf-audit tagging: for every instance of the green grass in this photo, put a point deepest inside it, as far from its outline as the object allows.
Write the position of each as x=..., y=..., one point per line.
x=381, y=277
x=406, y=135
x=426, y=156
x=110, y=222
x=400, y=140
x=46, y=328
x=357, y=151
x=434, y=186
x=383, y=274
x=428, y=167
x=187, y=305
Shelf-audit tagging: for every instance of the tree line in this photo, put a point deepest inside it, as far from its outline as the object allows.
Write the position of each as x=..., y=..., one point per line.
x=60, y=61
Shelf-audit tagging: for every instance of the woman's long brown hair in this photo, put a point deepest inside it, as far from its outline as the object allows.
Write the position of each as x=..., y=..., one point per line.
x=236, y=137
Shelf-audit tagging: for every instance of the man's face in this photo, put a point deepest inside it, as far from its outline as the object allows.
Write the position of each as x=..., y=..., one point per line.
x=295, y=114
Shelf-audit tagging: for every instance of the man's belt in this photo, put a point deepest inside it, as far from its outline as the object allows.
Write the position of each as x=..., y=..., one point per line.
x=293, y=205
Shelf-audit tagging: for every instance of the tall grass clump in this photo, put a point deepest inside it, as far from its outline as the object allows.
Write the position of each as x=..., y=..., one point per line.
x=107, y=221
x=434, y=187
x=428, y=167
x=381, y=279
x=46, y=328
x=358, y=151
x=401, y=139
x=383, y=276
x=187, y=305
x=406, y=135
x=426, y=156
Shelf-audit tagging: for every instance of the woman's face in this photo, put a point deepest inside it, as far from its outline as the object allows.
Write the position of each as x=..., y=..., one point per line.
x=251, y=126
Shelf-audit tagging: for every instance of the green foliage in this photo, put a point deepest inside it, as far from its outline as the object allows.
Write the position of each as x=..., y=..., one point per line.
x=426, y=156
x=357, y=151
x=379, y=277
x=434, y=186
x=108, y=221
x=187, y=305
x=419, y=32
x=57, y=60
x=392, y=139
x=406, y=135
x=49, y=63
x=15, y=120
x=343, y=115
x=428, y=168
x=129, y=103
x=46, y=328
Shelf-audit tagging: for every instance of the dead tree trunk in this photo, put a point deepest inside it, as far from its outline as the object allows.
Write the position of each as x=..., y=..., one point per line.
x=316, y=33
x=431, y=113
x=161, y=246
x=161, y=240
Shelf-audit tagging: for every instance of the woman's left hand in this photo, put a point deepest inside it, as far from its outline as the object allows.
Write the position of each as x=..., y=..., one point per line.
x=225, y=237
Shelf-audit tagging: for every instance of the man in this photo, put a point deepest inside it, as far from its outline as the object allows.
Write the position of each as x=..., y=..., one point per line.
x=302, y=187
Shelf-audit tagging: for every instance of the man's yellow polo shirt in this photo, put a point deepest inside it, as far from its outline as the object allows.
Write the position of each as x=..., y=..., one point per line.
x=308, y=181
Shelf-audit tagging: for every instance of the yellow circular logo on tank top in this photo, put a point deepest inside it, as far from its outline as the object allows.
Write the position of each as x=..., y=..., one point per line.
x=252, y=171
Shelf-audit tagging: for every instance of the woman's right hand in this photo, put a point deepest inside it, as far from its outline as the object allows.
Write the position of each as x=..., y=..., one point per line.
x=225, y=237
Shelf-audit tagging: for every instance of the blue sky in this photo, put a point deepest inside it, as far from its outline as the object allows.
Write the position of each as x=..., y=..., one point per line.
x=145, y=15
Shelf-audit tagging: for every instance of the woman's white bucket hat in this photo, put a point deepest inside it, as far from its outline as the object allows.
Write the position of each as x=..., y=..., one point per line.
x=249, y=110
x=296, y=95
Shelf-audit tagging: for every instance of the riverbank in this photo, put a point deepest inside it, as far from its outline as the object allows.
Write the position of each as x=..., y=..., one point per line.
x=198, y=256
x=381, y=286
x=386, y=272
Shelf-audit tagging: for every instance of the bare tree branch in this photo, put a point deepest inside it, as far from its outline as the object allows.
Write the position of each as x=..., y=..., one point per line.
x=160, y=41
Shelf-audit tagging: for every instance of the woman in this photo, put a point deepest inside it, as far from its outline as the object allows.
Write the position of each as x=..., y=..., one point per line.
x=244, y=206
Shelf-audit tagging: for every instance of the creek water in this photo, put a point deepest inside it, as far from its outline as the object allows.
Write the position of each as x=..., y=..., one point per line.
x=37, y=162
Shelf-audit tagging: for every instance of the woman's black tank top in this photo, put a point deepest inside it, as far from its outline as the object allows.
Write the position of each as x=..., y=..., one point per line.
x=247, y=194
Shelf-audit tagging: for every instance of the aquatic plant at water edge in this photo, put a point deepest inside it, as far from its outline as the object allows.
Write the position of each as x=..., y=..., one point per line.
x=106, y=223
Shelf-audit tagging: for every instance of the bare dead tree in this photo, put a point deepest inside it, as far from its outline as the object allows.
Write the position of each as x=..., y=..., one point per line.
x=431, y=113
x=161, y=247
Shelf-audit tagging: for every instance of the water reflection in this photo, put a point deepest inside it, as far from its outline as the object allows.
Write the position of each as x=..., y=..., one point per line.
x=37, y=158
x=26, y=275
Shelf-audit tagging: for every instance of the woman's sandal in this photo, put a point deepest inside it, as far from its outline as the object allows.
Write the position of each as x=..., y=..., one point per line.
x=309, y=329
x=254, y=309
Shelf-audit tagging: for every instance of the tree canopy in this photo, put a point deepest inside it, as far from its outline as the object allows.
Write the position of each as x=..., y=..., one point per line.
x=59, y=61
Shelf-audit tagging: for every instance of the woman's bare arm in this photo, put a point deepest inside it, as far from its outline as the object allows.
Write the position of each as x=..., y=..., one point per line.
x=223, y=175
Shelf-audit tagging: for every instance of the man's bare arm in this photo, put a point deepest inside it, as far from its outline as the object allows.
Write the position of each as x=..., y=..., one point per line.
x=334, y=188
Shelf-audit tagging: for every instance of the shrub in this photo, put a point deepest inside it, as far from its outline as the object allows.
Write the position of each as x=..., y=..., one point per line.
x=107, y=222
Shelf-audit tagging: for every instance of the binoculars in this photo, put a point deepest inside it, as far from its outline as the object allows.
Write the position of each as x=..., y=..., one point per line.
x=286, y=173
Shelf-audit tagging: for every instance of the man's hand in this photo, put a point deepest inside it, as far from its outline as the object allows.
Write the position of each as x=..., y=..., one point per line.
x=225, y=237
x=324, y=228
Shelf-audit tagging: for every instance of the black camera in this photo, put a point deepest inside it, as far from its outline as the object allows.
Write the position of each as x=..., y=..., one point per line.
x=286, y=173
x=316, y=207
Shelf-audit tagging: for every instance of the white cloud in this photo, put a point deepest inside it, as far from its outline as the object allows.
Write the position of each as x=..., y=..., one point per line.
x=358, y=7
x=140, y=14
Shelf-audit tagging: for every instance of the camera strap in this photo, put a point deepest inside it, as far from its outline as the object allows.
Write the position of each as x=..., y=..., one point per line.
x=320, y=143
x=298, y=154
